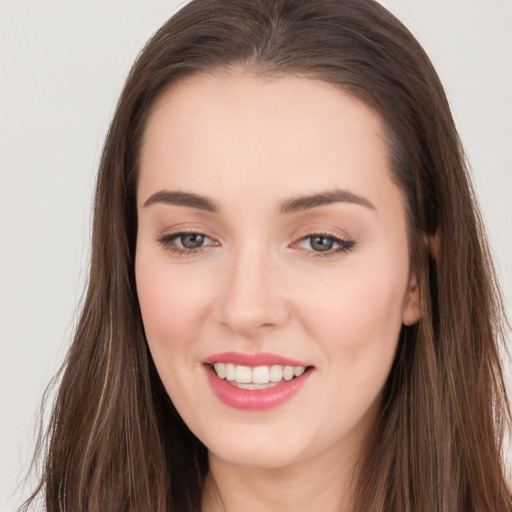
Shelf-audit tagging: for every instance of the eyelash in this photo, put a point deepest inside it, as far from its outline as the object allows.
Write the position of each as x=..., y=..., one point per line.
x=344, y=245
x=167, y=241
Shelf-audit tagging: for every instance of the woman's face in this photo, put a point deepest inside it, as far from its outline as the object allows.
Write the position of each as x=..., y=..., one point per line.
x=271, y=235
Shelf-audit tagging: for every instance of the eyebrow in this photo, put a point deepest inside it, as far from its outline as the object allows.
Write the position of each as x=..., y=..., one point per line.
x=308, y=202
x=182, y=199
x=293, y=205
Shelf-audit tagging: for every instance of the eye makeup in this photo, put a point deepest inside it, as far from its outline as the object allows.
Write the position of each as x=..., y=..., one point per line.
x=315, y=244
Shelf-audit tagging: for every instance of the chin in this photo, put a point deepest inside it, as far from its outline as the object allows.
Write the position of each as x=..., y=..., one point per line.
x=260, y=447
x=256, y=457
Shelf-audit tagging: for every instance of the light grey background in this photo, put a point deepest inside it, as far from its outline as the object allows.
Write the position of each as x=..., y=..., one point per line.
x=62, y=66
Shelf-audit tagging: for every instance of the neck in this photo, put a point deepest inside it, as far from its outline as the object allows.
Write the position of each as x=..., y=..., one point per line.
x=321, y=484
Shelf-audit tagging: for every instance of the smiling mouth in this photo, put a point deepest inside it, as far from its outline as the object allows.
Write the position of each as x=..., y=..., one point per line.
x=257, y=377
x=255, y=382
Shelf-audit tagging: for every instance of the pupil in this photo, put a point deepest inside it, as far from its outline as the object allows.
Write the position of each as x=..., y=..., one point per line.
x=192, y=240
x=321, y=243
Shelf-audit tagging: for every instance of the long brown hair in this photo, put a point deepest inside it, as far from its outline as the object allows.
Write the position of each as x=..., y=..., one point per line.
x=115, y=441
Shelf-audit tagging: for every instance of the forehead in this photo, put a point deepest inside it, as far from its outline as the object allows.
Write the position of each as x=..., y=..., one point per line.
x=239, y=134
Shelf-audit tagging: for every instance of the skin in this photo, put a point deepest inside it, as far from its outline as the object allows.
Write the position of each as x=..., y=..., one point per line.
x=256, y=285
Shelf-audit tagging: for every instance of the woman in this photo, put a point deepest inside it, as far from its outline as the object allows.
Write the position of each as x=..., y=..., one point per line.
x=283, y=233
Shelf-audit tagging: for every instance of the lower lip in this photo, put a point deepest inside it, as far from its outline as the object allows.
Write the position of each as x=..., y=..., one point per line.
x=255, y=399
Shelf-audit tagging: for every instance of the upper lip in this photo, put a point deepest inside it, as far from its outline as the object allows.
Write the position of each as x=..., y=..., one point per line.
x=259, y=359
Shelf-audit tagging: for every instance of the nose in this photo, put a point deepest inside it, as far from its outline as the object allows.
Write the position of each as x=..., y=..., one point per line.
x=251, y=298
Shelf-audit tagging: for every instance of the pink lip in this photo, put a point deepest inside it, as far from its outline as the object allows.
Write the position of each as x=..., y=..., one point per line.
x=255, y=399
x=260, y=359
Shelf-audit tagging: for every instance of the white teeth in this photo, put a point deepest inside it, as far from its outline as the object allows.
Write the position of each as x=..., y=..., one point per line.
x=260, y=375
x=257, y=377
x=276, y=373
x=230, y=371
x=288, y=372
x=254, y=386
x=299, y=371
x=243, y=374
x=220, y=369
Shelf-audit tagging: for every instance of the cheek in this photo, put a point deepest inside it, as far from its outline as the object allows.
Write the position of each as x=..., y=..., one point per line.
x=356, y=315
x=173, y=304
x=356, y=321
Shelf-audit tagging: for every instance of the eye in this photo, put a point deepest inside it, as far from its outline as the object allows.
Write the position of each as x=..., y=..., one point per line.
x=186, y=242
x=323, y=244
x=192, y=240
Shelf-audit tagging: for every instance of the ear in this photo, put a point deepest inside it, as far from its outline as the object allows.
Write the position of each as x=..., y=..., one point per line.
x=411, y=306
